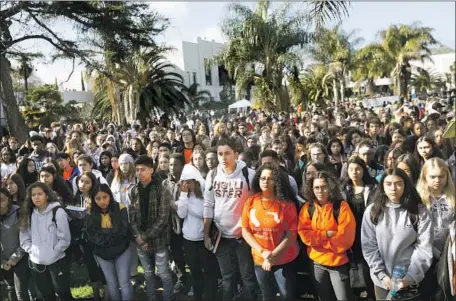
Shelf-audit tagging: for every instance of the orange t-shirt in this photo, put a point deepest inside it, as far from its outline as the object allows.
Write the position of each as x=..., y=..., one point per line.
x=269, y=226
x=188, y=155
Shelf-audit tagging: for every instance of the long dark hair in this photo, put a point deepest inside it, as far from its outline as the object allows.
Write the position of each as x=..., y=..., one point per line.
x=27, y=206
x=16, y=179
x=333, y=187
x=94, y=218
x=412, y=164
x=282, y=187
x=22, y=171
x=435, y=149
x=410, y=199
x=367, y=178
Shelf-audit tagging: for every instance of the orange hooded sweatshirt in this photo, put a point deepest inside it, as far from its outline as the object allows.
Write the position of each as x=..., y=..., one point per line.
x=321, y=249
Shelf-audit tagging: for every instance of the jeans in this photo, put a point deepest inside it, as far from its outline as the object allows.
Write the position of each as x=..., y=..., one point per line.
x=201, y=263
x=51, y=279
x=177, y=254
x=284, y=276
x=117, y=274
x=17, y=279
x=160, y=259
x=337, y=278
x=134, y=260
x=95, y=274
x=234, y=255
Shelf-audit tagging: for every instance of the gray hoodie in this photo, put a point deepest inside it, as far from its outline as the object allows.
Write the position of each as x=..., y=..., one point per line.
x=45, y=241
x=442, y=216
x=394, y=241
x=225, y=201
x=9, y=239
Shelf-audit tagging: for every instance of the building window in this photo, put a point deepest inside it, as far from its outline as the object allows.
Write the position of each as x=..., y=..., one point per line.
x=207, y=73
x=194, y=77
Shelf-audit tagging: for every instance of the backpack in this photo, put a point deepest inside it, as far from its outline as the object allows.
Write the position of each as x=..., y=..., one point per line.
x=54, y=212
x=245, y=173
x=336, y=210
x=76, y=226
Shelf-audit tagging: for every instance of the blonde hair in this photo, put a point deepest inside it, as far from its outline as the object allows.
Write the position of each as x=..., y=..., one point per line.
x=119, y=176
x=448, y=189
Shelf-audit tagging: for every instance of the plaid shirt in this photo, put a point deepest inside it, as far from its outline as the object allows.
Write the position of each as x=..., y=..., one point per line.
x=157, y=234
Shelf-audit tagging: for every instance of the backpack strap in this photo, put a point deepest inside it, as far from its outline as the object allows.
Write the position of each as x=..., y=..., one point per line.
x=245, y=173
x=54, y=212
x=311, y=209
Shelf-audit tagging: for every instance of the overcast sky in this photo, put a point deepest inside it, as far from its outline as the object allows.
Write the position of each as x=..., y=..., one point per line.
x=202, y=19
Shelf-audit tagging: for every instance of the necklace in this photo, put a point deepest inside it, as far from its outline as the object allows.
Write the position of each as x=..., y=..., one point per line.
x=264, y=208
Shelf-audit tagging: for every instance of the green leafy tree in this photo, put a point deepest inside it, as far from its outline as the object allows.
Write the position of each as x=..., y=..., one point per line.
x=313, y=86
x=196, y=96
x=262, y=45
x=426, y=80
x=336, y=49
x=130, y=25
x=404, y=43
x=323, y=11
x=371, y=62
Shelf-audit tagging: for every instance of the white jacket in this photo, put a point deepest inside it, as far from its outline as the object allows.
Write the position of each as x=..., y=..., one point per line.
x=190, y=209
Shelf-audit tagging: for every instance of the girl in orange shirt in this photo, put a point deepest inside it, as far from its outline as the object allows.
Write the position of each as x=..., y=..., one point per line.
x=269, y=226
x=328, y=234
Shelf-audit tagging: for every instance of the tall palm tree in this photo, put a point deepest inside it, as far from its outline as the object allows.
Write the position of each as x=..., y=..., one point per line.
x=262, y=45
x=336, y=49
x=371, y=62
x=324, y=11
x=25, y=70
x=196, y=96
x=149, y=84
x=314, y=85
x=425, y=80
x=405, y=43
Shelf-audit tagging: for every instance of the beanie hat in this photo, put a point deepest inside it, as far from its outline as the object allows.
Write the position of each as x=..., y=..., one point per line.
x=190, y=172
x=126, y=158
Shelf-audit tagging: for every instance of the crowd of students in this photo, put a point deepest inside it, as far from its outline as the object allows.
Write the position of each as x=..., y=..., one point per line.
x=344, y=196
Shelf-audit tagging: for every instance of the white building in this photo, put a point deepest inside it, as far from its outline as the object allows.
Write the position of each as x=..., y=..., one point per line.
x=195, y=58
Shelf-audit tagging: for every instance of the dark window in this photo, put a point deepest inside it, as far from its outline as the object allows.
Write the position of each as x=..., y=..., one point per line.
x=207, y=73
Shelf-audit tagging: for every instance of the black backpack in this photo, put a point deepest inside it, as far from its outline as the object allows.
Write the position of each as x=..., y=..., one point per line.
x=245, y=173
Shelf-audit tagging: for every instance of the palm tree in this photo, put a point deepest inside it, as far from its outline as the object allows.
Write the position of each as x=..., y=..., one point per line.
x=25, y=70
x=371, y=62
x=314, y=85
x=194, y=96
x=405, y=43
x=324, y=11
x=426, y=80
x=261, y=47
x=335, y=48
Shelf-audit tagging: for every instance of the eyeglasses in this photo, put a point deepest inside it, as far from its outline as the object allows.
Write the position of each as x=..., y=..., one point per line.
x=320, y=188
x=262, y=179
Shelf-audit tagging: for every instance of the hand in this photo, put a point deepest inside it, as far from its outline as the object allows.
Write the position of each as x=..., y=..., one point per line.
x=387, y=282
x=11, y=263
x=330, y=234
x=88, y=205
x=184, y=187
x=208, y=243
x=145, y=247
x=139, y=240
x=266, y=265
x=7, y=266
x=266, y=254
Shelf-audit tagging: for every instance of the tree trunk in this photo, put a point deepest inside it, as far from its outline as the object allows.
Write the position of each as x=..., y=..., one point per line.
x=398, y=84
x=15, y=121
x=370, y=86
x=342, y=91
x=131, y=104
x=335, y=92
